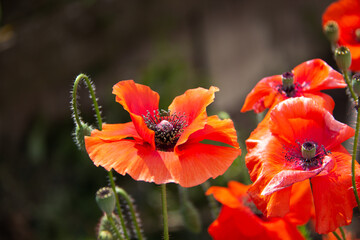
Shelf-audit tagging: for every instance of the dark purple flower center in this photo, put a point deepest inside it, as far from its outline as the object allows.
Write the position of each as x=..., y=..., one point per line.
x=167, y=126
x=288, y=88
x=307, y=155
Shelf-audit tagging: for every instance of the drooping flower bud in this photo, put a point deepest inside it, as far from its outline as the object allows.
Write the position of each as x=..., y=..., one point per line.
x=356, y=83
x=343, y=58
x=80, y=132
x=331, y=31
x=105, y=198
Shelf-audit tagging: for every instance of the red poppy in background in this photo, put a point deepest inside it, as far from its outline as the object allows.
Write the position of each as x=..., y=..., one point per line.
x=239, y=218
x=308, y=79
x=165, y=146
x=346, y=13
x=303, y=141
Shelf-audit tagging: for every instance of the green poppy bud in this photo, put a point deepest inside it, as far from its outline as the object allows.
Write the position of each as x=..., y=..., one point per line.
x=331, y=31
x=80, y=133
x=343, y=58
x=105, y=198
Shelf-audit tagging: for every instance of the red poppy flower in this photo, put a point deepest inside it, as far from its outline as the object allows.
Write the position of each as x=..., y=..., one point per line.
x=239, y=218
x=346, y=13
x=308, y=79
x=165, y=146
x=303, y=141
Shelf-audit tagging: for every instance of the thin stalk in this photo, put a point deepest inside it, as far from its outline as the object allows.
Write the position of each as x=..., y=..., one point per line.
x=111, y=220
x=164, y=211
x=132, y=211
x=353, y=160
x=122, y=221
x=347, y=80
x=342, y=233
x=337, y=235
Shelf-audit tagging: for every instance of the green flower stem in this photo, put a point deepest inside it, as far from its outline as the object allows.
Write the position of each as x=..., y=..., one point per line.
x=214, y=208
x=122, y=221
x=342, y=233
x=348, y=82
x=93, y=97
x=336, y=235
x=111, y=220
x=164, y=211
x=353, y=160
x=132, y=211
x=99, y=120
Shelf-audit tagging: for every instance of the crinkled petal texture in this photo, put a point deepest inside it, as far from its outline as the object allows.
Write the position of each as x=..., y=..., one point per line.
x=129, y=148
x=295, y=121
x=309, y=78
x=237, y=221
x=347, y=15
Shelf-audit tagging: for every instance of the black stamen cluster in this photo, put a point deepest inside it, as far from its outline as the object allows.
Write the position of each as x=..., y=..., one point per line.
x=166, y=136
x=290, y=91
x=293, y=155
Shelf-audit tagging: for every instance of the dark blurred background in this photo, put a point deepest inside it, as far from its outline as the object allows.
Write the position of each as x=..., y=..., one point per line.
x=47, y=185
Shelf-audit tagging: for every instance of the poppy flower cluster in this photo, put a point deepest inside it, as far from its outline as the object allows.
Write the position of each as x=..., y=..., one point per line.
x=240, y=219
x=345, y=15
x=300, y=142
x=165, y=146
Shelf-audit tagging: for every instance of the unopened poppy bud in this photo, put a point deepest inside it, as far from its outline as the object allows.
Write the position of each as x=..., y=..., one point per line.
x=356, y=83
x=105, y=235
x=308, y=150
x=80, y=133
x=287, y=80
x=331, y=31
x=105, y=198
x=343, y=58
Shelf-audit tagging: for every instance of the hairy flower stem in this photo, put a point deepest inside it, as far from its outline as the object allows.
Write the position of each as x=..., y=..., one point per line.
x=356, y=138
x=111, y=220
x=164, y=211
x=99, y=120
x=354, y=153
x=122, y=221
x=132, y=211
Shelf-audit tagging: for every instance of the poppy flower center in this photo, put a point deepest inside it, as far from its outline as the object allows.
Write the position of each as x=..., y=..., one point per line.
x=306, y=156
x=288, y=88
x=167, y=126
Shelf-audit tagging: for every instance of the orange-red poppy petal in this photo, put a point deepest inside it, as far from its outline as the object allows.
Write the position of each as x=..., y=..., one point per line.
x=138, y=100
x=193, y=105
x=301, y=118
x=225, y=196
x=200, y=162
x=216, y=130
x=263, y=95
x=140, y=161
x=117, y=132
x=333, y=194
x=315, y=75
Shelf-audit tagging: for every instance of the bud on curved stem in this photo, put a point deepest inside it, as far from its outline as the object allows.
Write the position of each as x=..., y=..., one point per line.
x=343, y=58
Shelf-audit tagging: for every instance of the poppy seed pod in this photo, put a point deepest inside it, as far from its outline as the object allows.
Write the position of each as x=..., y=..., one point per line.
x=343, y=58
x=105, y=198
